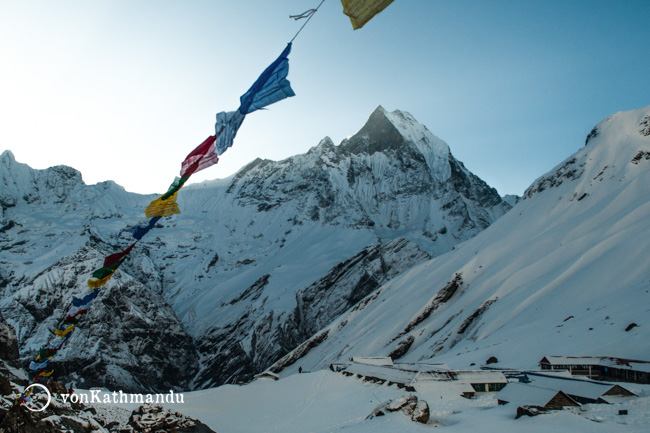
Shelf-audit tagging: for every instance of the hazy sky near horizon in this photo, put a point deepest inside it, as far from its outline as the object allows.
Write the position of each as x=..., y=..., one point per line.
x=125, y=89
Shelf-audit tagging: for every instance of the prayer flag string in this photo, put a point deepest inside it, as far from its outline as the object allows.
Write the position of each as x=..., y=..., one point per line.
x=270, y=87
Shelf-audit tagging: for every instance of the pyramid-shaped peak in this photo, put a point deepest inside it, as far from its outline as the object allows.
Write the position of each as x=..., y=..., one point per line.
x=398, y=133
x=377, y=135
x=393, y=130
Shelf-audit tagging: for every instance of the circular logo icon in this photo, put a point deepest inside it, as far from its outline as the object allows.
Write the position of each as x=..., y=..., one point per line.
x=36, y=406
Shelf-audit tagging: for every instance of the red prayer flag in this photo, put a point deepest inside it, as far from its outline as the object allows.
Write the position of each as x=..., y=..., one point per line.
x=114, y=258
x=202, y=157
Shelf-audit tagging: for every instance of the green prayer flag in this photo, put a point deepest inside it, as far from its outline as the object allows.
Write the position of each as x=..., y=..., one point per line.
x=107, y=270
x=174, y=187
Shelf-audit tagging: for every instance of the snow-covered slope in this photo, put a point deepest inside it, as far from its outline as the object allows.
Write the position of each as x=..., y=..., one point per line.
x=325, y=402
x=217, y=293
x=566, y=272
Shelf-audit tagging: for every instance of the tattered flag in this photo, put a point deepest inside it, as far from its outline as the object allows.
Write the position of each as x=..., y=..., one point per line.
x=272, y=86
x=362, y=11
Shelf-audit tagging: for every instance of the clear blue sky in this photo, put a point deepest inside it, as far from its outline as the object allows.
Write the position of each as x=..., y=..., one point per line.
x=124, y=89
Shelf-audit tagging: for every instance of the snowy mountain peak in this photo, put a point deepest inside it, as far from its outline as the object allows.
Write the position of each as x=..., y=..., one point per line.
x=8, y=156
x=21, y=182
x=615, y=146
x=399, y=132
x=377, y=135
x=325, y=146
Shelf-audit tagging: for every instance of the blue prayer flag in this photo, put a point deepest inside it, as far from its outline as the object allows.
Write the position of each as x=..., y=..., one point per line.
x=35, y=366
x=226, y=128
x=272, y=86
x=85, y=300
x=138, y=232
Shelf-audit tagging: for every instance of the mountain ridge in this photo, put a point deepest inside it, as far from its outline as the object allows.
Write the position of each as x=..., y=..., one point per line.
x=234, y=265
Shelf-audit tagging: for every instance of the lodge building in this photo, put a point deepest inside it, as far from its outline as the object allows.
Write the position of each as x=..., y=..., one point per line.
x=600, y=367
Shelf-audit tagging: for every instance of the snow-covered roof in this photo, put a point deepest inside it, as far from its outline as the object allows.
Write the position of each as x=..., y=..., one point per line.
x=635, y=365
x=481, y=376
x=377, y=360
x=604, y=361
x=419, y=378
x=570, y=385
x=267, y=375
x=571, y=360
x=522, y=394
x=466, y=376
x=440, y=388
x=382, y=372
x=421, y=366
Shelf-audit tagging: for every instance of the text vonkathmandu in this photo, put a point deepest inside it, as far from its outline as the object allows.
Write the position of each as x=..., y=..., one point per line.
x=119, y=397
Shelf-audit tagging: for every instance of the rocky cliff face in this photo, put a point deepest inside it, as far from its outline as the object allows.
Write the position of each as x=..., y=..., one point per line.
x=9, y=354
x=243, y=347
x=254, y=265
x=130, y=339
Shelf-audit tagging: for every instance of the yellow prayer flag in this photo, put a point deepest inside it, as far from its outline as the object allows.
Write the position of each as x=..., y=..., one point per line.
x=49, y=373
x=95, y=283
x=64, y=332
x=162, y=208
x=362, y=11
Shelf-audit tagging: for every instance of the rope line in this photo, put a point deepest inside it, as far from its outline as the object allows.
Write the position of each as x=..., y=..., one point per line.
x=307, y=14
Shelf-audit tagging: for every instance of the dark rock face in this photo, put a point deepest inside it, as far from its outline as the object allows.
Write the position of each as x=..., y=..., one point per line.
x=19, y=420
x=569, y=170
x=645, y=126
x=443, y=295
x=379, y=135
x=9, y=357
x=147, y=419
x=351, y=281
x=641, y=156
x=5, y=386
x=317, y=305
x=475, y=315
x=138, y=334
x=299, y=352
x=593, y=134
x=411, y=406
x=130, y=339
x=8, y=343
x=402, y=347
